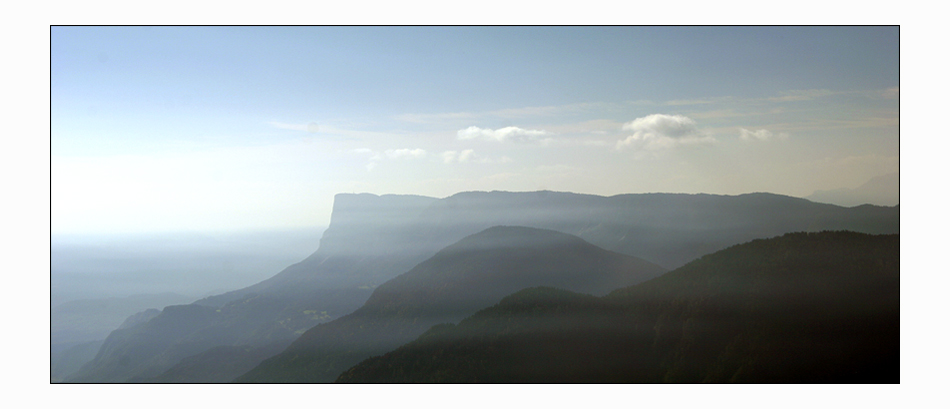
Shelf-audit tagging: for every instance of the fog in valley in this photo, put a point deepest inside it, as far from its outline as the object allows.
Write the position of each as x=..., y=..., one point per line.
x=98, y=281
x=188, y=264
x=495, y=205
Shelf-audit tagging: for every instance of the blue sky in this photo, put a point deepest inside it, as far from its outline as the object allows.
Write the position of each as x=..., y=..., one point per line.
x=230, y=128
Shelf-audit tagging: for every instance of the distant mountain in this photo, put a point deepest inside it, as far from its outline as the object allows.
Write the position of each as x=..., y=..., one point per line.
x=67, y=359
x=219, y=364
x=667, y=229
x=88, y=320
x=140, y=318
x=881, y=191
x=372, y=239
x=801, y=308
x=78, y=328
x=472, y=274
x=70, y=358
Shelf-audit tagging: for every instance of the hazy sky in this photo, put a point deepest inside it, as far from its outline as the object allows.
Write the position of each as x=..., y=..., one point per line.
x=227, y=128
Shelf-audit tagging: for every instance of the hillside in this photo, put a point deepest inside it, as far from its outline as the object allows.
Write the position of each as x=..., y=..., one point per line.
x=67, y=361
x=664, y=228
x=218, y=364
x=366, y=239
x=93, y=319
x=372, y=239
x=801, y=308
x=474, y=273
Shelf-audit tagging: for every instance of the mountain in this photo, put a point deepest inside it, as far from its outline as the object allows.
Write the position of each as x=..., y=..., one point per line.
x=469, y=275
x=881, y=191
x=70, y=358
x=366, y=240
x=219, y=364
x=93, y=319
x=78, y=328
x=667, y=229
x=372, y=239
x=801, y=308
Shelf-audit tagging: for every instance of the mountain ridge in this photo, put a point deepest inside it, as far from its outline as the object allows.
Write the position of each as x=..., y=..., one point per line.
x=471, y=274
x=883, y=190
x=799, y=308
x=374, y=238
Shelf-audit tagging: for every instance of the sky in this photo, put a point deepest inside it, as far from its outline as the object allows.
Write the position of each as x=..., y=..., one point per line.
x=157, y=129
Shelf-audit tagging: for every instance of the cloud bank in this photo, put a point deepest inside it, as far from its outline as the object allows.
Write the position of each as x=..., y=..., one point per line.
x=659, y=131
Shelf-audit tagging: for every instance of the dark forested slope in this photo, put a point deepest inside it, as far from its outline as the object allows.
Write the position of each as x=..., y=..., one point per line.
x=801, y=308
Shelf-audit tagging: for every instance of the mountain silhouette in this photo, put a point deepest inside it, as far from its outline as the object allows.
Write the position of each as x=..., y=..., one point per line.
x=372, y=239
x=801, y=308
x=474, y=273
x=883, y=190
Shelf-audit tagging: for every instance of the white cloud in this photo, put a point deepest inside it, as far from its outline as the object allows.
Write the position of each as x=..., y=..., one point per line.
x=466, y=155
x=469, y=156
x=458, y=157
x=510, y=133
x=659, y=131
x=393, y=154
x=450, y=157
x=405, y=153
x=760, y=135
x=668, y=125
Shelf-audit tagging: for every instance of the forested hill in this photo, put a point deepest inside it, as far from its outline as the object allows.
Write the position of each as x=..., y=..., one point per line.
x=472, y=274
x=800, y=308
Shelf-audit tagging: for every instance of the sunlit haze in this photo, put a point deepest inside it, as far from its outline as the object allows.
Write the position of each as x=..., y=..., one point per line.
x=228, y=128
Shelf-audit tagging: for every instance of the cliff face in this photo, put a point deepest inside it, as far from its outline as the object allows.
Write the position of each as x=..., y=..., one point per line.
x=370, y=225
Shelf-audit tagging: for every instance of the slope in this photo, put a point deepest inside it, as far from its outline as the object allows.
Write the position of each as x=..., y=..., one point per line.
x=801, y=308
x=369, y=236
x=472, y=274
x=372, y=239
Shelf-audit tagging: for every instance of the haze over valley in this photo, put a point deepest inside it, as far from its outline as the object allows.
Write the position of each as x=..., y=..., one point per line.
x=475, y=204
